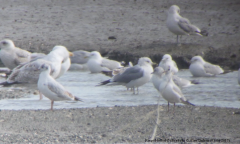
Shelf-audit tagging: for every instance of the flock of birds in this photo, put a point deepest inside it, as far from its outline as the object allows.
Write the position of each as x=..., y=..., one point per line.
x=43, y=70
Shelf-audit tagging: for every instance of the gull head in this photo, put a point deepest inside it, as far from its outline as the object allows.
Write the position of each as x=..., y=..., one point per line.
x=197, y=59
x=6, y=44
x=45, y=67
x=167, y=57
x=145, y=61
x=95, y=55
x=174, y=9
x=159, y=71
x=62, y=51
x=168, y=71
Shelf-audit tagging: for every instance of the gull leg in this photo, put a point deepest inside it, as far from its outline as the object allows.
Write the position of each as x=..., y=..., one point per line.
x=177, y=39
x=174, y=108
x=179, y=43
x=168, y=107
x=40, y=95
x=52, y=104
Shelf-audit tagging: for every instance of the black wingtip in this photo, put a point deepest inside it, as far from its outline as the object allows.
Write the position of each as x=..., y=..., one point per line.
x=195, y=82
x=7, y=83
x=107, y=73
x=187, y=102
x=104, y=82
x=78, y=99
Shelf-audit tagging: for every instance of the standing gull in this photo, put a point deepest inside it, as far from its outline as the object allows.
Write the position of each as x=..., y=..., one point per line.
x=201, y=68
x=180, y=25
x=48, y=86
x=29, y=73
x=159, y=73
x=133, y=77
x=167, y=61
x=12, y=56
x=170, y=91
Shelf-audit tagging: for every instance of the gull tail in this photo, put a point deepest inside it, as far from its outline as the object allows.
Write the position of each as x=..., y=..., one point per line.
x=104, y=82
x=77, y=99
x=195, y=82
x=226, y=71
x=107, y=73
x=7, y=83
x=188, y=103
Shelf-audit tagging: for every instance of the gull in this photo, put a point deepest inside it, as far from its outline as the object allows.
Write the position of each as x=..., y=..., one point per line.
x=117, y=70
x=79, y=60
x=29, y=73
x=167, y=61
x=179, y=25
x=53, y=90
x=80, y=57
x=170, y=91
x=159, y=73
x=181, y=82
x=12, y=56
x=97, y=64
x=133, y=77
x=201, y=68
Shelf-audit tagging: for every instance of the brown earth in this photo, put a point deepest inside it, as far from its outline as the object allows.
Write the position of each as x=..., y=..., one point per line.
x=138, y=26
x=140, y=30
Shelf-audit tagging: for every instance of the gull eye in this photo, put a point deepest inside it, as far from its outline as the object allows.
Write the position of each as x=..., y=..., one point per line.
x=4, y=43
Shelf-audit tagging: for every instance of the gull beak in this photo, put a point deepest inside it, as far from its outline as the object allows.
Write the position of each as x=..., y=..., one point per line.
x=71, y=54
x=154, y=64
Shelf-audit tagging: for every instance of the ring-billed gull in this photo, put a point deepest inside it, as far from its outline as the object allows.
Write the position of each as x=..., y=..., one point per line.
x=133, y=77
x=12, y=56
x=48, y=86
x=97, y=64
x=167, y=61
x=170, y=91
x=180, y=25
x=201, y=68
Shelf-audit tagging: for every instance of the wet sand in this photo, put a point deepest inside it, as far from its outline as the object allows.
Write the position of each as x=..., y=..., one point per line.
x=140, y=30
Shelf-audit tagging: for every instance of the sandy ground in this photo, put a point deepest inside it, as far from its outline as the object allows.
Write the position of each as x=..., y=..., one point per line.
x=140, y=30
x=139, y=27
x=118, y=124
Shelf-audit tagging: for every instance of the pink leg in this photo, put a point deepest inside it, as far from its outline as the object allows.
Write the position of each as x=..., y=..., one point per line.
x=40, y=95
